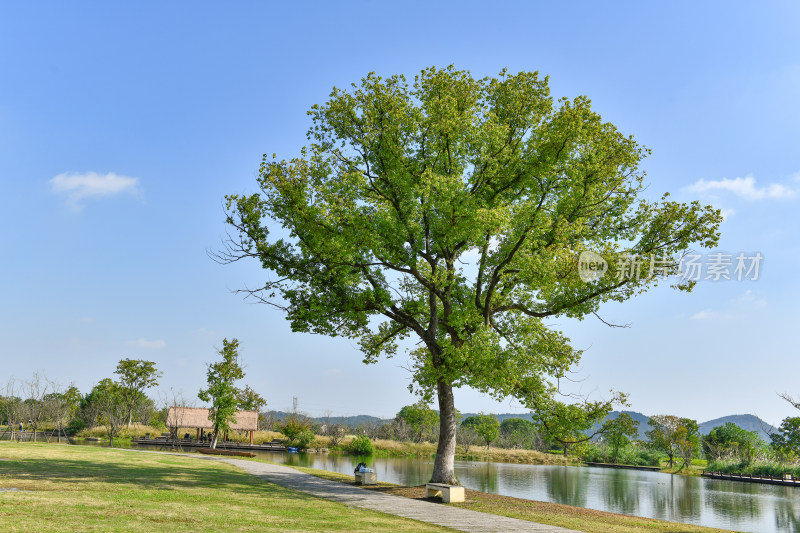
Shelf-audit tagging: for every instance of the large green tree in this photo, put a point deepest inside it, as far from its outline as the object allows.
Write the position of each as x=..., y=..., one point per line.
x=453, y=210
x=221, y=391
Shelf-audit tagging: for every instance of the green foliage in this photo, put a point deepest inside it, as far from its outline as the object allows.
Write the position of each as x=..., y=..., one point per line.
x=569, y=424
x=297, y=429
x=486, y=426
x=250, y=400
x=619, y=431
x=787, y=439
x=361, y=445
x=112, y=411
x=760, y=467
x=731, y=441
x=632, y=453
x=518, y=433
x=674, y=436
x=221, y=392
x=402, y=184
x=421, y=419
x=135, y=376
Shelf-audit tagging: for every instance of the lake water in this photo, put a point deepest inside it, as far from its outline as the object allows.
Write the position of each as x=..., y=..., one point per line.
x=708, y=502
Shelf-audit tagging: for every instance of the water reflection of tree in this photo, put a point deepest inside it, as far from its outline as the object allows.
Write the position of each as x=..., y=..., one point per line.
x=787, y=512
x=568, y=485
x=732, y=501
x=620, y=496
x=677, y=499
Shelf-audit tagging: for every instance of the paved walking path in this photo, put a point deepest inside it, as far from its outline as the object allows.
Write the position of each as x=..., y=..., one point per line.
x=431, y=513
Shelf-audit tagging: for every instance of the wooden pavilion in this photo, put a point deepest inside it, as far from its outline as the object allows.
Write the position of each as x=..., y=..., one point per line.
x=197, y=418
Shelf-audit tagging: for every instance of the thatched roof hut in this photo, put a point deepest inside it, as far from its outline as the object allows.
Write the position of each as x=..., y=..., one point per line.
x=197, y=418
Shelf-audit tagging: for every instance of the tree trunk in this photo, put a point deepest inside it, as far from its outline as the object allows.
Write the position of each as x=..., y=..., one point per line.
x=443, y=465
x=214, y=441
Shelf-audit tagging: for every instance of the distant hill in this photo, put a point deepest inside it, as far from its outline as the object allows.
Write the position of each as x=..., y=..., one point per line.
x=349, y=421
x=746, y=422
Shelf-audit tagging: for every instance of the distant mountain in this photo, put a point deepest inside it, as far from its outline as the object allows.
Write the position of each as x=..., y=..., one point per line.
x=746, y=422
x=349, y=421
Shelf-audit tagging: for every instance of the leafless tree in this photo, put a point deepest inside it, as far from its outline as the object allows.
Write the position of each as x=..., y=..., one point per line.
x=334, y=431
x=12, y=405
x=467, y=437
x=790, y=399
x=35, y=389
x=60, y=405
x=175, y=399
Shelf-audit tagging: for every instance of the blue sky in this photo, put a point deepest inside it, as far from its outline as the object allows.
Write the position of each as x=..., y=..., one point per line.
x=122, y=127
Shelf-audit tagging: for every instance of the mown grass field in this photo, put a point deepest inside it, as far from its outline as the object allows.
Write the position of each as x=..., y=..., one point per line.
x=76, y=488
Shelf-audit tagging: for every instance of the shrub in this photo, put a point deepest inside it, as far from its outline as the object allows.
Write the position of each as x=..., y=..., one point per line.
x=361, y=445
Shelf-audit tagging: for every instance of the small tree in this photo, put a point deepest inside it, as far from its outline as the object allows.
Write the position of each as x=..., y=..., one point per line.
x=35, y=391
x=221, y=391
x=673, y=436
x=135, y=376
x=12, y=405
x=486, y=426
x=297, y=429
x=571, y=424
x=467, y=437
x=420, y=418
x=732, y=441
x=250, y=400
x=518, y=433
x=619, y=431
x=61, y=405
x=112, y=410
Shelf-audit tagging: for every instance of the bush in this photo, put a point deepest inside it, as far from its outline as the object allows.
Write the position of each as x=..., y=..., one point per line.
x=297, y=429
x=361, y=445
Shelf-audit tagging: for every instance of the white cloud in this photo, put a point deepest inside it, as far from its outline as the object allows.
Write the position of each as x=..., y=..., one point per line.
x=752, y=299
x=710, y=315
x=79, y=187
x=148, y=345
x=744, y=188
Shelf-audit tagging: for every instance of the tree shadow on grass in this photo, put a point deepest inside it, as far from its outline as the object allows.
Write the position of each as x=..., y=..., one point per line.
x=171, y=473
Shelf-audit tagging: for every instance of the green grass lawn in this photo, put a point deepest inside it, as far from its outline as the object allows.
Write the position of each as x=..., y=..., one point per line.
x=76, y=488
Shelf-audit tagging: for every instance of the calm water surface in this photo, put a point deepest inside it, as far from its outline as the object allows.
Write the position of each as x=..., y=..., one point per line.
x=724, y=504
x=707, y=502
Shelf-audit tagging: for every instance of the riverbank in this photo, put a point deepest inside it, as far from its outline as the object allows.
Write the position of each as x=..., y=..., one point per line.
x=554, y=514
x=50, y=487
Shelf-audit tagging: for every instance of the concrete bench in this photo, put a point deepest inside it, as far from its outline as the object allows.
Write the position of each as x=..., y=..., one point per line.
x=366, y=478
x=449, y=493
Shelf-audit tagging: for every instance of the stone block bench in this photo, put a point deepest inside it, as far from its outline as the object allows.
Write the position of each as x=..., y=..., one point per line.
x=366, y=478
x=449, y=493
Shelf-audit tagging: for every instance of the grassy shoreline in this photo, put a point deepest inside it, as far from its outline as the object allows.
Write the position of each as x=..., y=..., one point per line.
x=555, y=514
